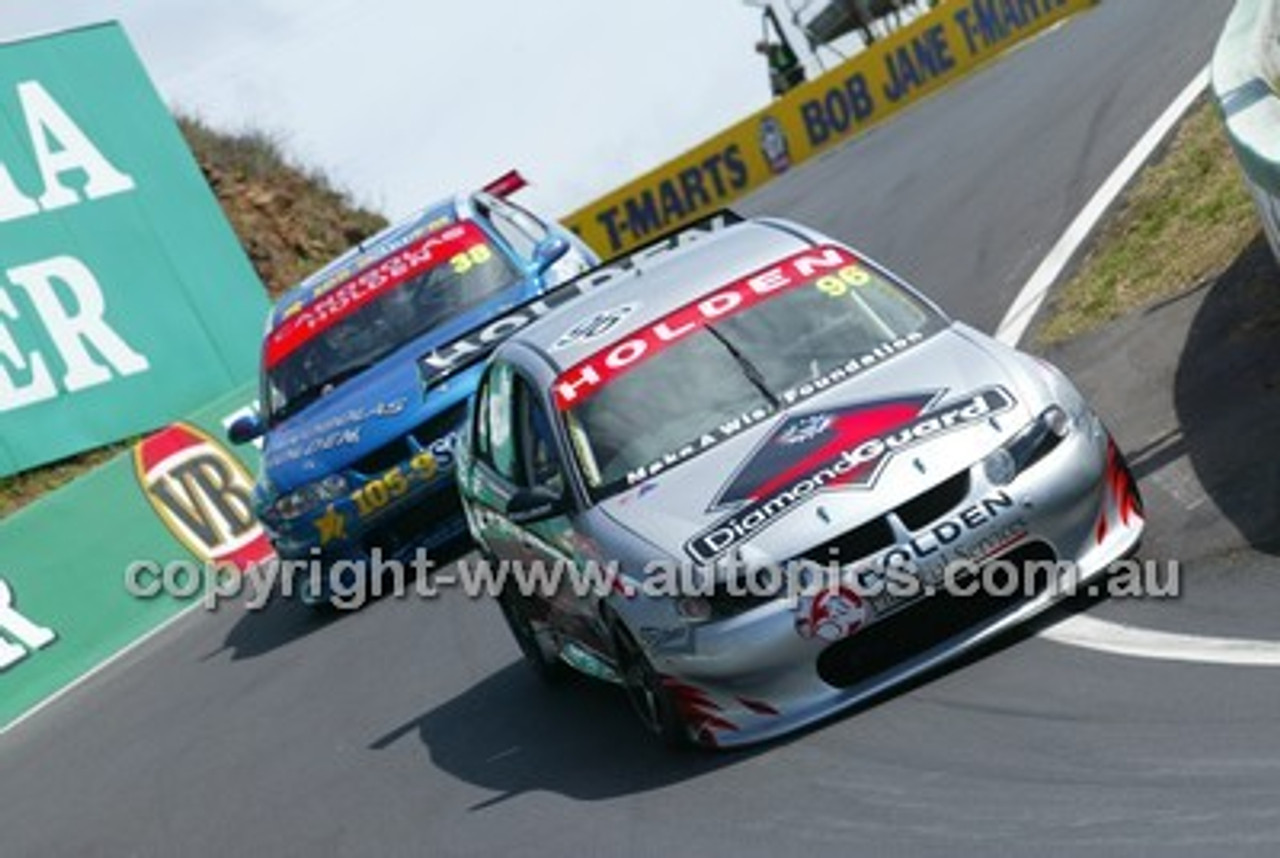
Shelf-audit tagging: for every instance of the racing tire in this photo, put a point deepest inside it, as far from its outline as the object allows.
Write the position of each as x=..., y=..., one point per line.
x=652, y=701
x=314, y=598
x=515, y=610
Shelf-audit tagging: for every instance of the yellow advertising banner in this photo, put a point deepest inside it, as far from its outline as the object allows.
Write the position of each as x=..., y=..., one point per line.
x=935, y=49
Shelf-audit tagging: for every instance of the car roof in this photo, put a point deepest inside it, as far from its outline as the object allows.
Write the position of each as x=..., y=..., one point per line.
x=652, y=292
x=369, y=252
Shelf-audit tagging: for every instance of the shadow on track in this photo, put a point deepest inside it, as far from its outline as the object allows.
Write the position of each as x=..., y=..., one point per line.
x=513, y=735
x=1227, y=395
x=281, y=622
x=285, y=620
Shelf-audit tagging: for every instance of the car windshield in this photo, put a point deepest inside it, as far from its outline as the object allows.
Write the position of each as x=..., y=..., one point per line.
x=715, y=377
x=361, y=320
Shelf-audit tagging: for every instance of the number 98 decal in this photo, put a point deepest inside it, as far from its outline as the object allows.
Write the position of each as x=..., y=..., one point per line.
x=465, y=261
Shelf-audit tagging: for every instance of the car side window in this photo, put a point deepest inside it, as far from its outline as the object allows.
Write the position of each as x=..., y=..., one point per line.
x=521, y=241
x=544, y=468
x=525, y=221
x=480, y=429
x=495, y=439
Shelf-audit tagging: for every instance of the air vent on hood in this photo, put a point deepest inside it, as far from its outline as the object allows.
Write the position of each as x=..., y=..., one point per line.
x=926, y=508
x=853, y=545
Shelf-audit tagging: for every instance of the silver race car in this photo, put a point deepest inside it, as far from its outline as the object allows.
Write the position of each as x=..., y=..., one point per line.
x=757, y=479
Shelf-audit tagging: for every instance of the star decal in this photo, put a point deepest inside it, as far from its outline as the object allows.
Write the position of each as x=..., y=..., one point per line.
x=332, y=525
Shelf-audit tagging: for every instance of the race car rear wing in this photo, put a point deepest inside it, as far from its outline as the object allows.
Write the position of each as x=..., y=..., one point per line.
x=507, y=184
x=479, y=342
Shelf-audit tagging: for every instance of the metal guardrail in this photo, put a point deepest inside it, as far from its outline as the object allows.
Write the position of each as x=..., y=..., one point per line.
x=1246, y=83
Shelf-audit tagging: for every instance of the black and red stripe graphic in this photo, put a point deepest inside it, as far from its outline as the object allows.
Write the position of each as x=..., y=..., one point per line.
x=839, y=448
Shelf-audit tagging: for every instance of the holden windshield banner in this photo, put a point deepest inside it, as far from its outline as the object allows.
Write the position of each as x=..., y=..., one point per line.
x=125, y=299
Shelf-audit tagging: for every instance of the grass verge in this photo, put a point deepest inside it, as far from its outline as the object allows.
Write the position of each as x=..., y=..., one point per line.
x=1185, y=219
x=18, y=490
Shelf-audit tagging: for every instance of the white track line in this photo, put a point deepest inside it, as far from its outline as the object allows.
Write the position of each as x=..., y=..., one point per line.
x=1091, y=633
x=1029, y=300
x=1080, y=630
x=98, y=668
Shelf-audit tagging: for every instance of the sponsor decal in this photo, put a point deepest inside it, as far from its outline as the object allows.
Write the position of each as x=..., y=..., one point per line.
x=376, y=495
x=202, y=494
x=478, y=343
x=732, y=428
x=806, y=430
x=593, y=327
x=332, y=526
x=342, y=438
x=778, y=477
x=578, y=383
x=19, y=635
x=638, y=494
x=831, y=614
x=339, y=430
x=396, y=239
x=976, y=533
x=774, y=145
x=678, y=639
x=341, y=301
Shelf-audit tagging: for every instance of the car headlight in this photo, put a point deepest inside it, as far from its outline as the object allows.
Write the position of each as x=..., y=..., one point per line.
x=1056, y=421
x=305, y=499
x=1029, y=446
x=1000, y=468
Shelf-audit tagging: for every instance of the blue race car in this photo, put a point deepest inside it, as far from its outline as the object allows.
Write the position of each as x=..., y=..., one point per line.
x=367, y=367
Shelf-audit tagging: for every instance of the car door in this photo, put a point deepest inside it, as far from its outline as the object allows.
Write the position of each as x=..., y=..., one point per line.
x=494, y=469
x=548, y=544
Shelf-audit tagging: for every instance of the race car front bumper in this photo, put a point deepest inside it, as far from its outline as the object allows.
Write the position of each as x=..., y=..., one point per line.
x=782, y=665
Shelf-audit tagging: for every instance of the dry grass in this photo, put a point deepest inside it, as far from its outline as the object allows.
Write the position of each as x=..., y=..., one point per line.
x=21, y=489
x=290, y=219
x=1186, y=218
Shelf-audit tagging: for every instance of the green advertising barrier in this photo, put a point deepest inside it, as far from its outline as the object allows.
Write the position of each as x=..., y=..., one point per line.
x=125, y=298
x=65, y=609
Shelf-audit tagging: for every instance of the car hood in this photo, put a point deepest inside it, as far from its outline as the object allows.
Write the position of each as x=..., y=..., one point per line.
x=849, y=454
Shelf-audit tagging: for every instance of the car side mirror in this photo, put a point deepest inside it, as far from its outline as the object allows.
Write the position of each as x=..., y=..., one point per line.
x=245, y=429
x=548, y=252
x=530, y=506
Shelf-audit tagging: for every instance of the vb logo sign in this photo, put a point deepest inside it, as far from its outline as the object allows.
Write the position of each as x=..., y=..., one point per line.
x=19, y=636
x=202, y=494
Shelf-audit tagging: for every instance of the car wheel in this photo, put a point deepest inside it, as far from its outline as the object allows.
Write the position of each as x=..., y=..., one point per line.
x=313, y=594
x=649, y=697
x=515, y=610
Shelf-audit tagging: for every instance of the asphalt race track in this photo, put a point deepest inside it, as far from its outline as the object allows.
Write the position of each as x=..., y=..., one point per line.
x=411, y=728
